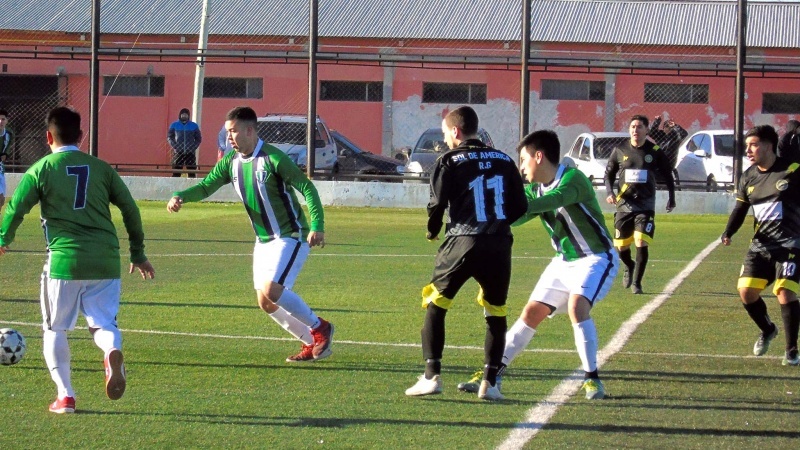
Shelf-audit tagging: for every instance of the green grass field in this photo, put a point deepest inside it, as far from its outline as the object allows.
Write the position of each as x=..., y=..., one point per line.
x=206, y=367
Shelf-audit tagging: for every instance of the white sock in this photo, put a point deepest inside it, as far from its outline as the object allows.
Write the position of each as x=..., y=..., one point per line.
x=517, y=338
x=586, y=343
x=295, y=305
x=296, y=328
x=107, y=339
x=57, y=356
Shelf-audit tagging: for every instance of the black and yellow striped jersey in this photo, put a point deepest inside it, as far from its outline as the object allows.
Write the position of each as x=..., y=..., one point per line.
x=637, y=167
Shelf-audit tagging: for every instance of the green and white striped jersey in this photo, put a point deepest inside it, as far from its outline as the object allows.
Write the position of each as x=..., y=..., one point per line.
x=75, y=190
x=570, y=213
x=264, y=181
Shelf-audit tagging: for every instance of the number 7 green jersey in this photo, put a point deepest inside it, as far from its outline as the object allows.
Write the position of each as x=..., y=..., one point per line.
x=75, y=190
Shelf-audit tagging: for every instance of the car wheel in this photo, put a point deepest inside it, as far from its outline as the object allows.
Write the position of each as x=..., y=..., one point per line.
x=711, y=184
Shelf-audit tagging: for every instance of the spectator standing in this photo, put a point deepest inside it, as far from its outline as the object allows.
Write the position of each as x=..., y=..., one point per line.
x=789, y=143
x=82, y=272
x=6, y=146
x=637, y=162
x=668, y=136
x=184, y=138
x=223, y=143
x=481, y=190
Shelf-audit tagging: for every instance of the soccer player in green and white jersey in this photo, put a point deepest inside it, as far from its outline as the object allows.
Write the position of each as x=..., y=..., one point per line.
x=82, y=272
x=585, y=265
x=265, y=179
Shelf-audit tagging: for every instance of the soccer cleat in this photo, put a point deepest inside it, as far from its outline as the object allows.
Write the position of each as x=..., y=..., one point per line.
x=474, y=383
x=636, y=289
x=306, y=354
x=489, y=392
x=594, y=389
x=762, y=343
x=425, y=386
x=115, y=374
x=791, y=358
x=63, y=405
x=323, y=336
x=626, y=277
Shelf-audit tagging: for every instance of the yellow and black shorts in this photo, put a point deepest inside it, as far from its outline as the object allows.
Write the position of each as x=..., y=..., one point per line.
x=629, y=226
x=778, y=265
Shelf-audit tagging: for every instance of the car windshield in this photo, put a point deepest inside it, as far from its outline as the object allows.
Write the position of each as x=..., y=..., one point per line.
x=724, y=144
x=431, y=141
x=283, y=132
x=603, y=146
x=344, y=143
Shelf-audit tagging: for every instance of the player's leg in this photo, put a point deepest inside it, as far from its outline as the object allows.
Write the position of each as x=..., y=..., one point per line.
x=276, y=266
x=623, y=238
x=99, y=303
x=756, y=273
x=60, y=306
x=644, y=230
x=786, y=287
x=449, y=275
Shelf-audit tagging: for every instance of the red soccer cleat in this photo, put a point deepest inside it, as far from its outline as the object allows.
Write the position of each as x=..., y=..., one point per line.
x=63, y=405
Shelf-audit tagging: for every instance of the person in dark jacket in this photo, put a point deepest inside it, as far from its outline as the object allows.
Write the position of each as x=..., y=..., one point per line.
x=668, y=136
x=789, y=143
x=184, y=138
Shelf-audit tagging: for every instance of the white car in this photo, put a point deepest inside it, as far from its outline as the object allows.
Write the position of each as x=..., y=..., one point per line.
x=590, y=152
x=288, y=133
x=707, y=157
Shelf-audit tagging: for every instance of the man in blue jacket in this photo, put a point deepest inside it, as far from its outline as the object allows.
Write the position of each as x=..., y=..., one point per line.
x=184, y=138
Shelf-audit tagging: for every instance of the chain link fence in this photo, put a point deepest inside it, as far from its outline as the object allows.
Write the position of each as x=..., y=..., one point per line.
x=385, y=77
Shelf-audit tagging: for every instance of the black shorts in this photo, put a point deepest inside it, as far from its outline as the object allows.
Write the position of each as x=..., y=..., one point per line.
x=761, y=268
x=487, y=259
x=630, y=225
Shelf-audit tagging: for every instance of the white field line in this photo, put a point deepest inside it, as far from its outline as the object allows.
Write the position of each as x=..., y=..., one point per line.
x=540, y=415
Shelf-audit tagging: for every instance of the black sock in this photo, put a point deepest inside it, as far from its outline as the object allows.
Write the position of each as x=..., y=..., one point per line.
x=758, y=312
x=791, y=322
x=433, y=339
x=494, y=346
x=625, y=257
x=642, y=255
x=592, y=374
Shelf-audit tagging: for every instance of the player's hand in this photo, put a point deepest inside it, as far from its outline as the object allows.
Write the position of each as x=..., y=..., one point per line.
x=725, y=240
x=670, y=205
x=175, y=204
x=316, y=238
x=145, y=268
x=431, y=237
x=3, y=250
x=611, y=200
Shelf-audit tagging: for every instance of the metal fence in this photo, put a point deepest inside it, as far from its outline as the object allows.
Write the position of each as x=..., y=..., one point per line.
x=378, y=85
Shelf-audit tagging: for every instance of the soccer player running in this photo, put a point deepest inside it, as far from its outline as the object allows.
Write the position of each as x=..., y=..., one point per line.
x=482, y=190
x=265, y=179
x=82, y=272
x=634, y=221
x=771, y=185
x=583, y=270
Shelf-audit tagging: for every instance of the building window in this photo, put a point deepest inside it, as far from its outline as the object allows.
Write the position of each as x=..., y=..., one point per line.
x=233, y=87
x=351, y=91
x=774, y=103
x=675, y=93
x=454, y=93
x=140, y=86
x=573, y=90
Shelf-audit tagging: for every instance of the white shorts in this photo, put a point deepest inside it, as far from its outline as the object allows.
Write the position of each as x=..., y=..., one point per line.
x=97, y=300
x=278, y=261
x=591, y=277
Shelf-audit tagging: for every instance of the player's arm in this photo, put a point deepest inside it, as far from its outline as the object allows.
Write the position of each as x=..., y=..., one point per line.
x=516, y=201
x=121, y=197
x=437, y=205
x=612, y=167
x=171, y=137
x=736, y=219
x=219, y=176
x=289, y=171
x=25, y=197
x=572, y=189
x=528, y=215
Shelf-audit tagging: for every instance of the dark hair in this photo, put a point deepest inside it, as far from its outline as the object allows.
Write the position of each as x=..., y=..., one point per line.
x=764, y=133
x=464, y=118
x=545, y=141
x=243, y=114
x=65, y=125
x=3, y=112
x=642, y=118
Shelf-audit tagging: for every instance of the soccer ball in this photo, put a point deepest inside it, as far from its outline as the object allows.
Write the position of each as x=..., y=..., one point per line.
x=12, y=346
